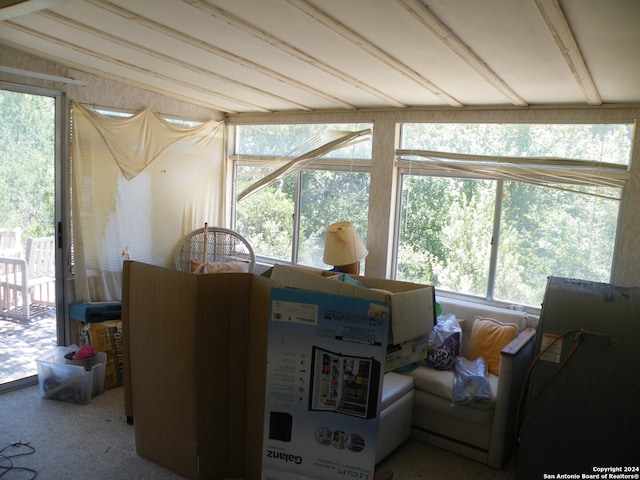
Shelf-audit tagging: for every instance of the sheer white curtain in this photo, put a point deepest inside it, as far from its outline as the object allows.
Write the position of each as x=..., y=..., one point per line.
x=320, y=144
x=544, y=171
x=139, y=185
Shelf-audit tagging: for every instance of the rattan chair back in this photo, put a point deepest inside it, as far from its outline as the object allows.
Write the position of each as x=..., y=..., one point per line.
x=215, y=246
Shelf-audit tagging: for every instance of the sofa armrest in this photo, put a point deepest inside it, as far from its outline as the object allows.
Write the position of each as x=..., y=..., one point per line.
x=518, y=343
x=515, y=359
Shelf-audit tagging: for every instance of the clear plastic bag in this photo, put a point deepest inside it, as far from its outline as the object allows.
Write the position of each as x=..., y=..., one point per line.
x=444, y=343
x=470, y=382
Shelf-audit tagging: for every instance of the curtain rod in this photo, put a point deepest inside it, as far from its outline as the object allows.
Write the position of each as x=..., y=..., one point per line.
x=42, y=76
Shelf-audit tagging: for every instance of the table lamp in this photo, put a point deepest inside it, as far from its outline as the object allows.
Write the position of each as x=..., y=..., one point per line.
x=343, y=248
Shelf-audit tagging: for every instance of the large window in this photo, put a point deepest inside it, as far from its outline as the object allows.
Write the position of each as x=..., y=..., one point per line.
x=491, y=211
x=292, y=181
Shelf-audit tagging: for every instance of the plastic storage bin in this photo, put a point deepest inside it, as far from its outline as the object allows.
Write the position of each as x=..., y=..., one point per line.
x=70, y=383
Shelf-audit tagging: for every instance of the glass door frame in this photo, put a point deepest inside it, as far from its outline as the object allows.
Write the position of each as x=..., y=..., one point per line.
x=61, y=214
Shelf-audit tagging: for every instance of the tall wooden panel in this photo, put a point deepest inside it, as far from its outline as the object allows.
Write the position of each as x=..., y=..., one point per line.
x=583, y=408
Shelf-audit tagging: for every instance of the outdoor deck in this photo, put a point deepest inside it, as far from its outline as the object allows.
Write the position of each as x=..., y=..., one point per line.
x=23, y=341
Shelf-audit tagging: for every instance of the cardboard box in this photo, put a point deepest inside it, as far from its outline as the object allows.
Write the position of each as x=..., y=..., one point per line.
x=412, y=306
x=106, y=337
x=324, y=385
x=405, y=353
x=195, y=368
x=59, y=380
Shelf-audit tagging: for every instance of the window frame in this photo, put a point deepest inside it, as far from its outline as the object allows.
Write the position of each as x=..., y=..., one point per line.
x=297, y=198
x=405, y=168
x=333, y=164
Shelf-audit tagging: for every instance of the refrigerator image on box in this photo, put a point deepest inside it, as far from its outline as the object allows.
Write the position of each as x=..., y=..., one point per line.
x=344, y=384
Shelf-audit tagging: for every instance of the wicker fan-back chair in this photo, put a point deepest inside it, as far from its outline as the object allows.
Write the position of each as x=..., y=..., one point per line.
x=220, y=245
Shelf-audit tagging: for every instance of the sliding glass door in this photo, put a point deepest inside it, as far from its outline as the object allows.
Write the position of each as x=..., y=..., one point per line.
x=30, y=255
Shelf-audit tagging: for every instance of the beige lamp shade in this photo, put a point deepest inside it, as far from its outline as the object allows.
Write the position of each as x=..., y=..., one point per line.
x=343, y=245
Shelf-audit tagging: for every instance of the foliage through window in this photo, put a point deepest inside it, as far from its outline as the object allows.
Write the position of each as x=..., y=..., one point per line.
x=292, y=181
x=27, y=150
x=493, y=210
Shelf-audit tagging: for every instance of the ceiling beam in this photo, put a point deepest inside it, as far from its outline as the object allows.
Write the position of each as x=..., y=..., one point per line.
x=275, y=42
x=136, y=68
x=561, y=31
x=11, y=9
x=451, y=40
x=375, y=51
x=62, y=20
x=212, y=49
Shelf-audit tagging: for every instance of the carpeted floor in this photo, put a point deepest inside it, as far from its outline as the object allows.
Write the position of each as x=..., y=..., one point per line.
x=72, y=441
x=417, y=461
x=95, y=442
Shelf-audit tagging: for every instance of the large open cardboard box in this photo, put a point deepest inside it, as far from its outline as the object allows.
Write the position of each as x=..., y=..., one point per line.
x=195, y=362
x=412, y=306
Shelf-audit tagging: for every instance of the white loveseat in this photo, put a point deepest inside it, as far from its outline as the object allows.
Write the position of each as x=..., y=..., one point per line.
x=483, y=431
x=396, y=409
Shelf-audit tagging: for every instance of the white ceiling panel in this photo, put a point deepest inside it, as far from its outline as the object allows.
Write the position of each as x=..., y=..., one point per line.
x=315, y=55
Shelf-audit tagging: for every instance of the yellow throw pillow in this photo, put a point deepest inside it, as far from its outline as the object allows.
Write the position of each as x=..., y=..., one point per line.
x=488, y=338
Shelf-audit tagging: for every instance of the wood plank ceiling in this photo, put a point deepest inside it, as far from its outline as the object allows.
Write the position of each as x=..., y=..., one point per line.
x=314, y=55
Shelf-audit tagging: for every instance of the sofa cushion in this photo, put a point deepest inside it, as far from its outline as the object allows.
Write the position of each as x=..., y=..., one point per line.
x=488, y=338
x=464, y=310
x=440, y=383
x=394, y=387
